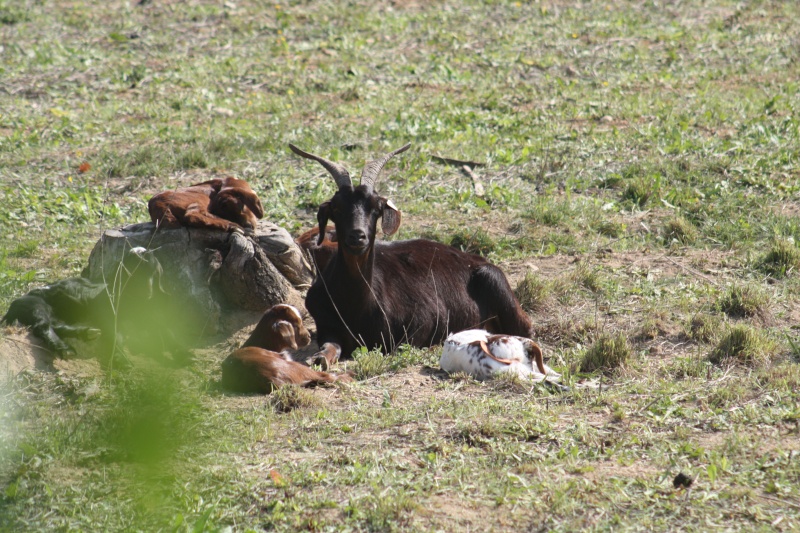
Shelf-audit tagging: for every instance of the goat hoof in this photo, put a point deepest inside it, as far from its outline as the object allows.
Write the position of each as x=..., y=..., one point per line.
x=68, y=352
x=318, y=360
x=91, y=334
x=556, y=387
x=347, y=377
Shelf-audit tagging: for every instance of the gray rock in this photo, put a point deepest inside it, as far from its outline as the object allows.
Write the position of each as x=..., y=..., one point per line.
x=213, y=272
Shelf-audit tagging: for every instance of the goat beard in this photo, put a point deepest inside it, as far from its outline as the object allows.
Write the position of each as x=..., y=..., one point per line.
x=358, y=251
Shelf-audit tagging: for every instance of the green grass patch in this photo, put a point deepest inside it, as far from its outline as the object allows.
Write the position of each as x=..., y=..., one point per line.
x=607, y=353
x=644, y=181
x=782, y=259
x=744, y=301
x=533, y=292
x=474, y=242
x=745, y=345
x=679, y=230
x=287, y=398
x=704, y=327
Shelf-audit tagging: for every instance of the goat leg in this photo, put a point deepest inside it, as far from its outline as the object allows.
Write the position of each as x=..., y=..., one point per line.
x=326, y=357
x=81, y=332
x=309, y=377
x=163, y=216
x=198, y=218
x=52, y=341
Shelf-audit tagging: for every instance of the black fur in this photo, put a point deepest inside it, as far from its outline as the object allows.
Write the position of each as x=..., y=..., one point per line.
x=134, y=303
x=70, y=308
x=382, y=294
x=420, y=291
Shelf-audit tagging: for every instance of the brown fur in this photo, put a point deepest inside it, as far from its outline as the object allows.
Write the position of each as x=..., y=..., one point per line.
x=264, y=363
x=224, y=204
x=281, y=328
x=258, y=370
x=319, y=254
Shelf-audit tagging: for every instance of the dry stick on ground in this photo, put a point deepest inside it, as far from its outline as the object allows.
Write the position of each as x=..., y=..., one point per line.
x=26, y=343
x=476, y=181
x=778, y=500
x=692, y=270
x=455, y=162
x=466, y=167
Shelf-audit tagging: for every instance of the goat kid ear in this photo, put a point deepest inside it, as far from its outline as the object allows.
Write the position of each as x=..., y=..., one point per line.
x=286, y=332
x=249, y=200
x=391, y=217
x=255, y=206
x=322, y=218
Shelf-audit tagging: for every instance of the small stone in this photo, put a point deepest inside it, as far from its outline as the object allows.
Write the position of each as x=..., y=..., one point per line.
x=682, y=481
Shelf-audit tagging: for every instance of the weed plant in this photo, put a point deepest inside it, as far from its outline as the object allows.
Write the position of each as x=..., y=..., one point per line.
x=744, y=300
x=533, y=292
x=607, y=353
x=680, y=230
x=782, y=259
x=746, y=345
x=704, y=327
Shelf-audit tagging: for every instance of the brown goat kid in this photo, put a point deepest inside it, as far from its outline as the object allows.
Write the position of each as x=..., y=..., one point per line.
x=319, y=254
x=264, y=363
x=225, y=204
x=281, y=328
x=381, y=294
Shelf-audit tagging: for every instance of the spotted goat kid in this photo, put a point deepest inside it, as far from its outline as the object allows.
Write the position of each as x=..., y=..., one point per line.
x=484, y=355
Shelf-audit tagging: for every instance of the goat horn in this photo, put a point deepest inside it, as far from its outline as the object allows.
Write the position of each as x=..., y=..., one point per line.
x=339, y=173
x=373, y=168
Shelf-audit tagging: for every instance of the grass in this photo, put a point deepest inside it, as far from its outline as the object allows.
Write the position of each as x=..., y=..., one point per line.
x=746, y=300
x=781, y=260
x=744, y=344
x=679, y=230
x=704, y=327
x=533, y=292
x=639, y=167
x=607, y=353
x=290, y=397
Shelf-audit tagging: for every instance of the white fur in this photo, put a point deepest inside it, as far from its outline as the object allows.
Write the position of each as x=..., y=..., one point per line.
x=293, y=310
x=462, y=353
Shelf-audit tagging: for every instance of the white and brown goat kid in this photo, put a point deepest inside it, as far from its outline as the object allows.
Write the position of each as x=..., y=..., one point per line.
x=484, y=355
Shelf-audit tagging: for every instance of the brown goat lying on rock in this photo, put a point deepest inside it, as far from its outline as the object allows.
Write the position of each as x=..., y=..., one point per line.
x=264, y=363
x=224, y=204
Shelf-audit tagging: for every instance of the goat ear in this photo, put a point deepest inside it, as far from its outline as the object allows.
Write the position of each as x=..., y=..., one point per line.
x=322, y=217
x=391, y=217
x=255, y=206
x=286, y=332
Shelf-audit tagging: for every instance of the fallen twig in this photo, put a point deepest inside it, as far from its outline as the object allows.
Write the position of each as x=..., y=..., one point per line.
x=476, y=181
x=455, y=162
x=692, y=270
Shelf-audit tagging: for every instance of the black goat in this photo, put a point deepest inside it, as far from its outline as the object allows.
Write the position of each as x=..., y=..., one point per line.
x=60, y=310
x=381, y=294
x=134, y=303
